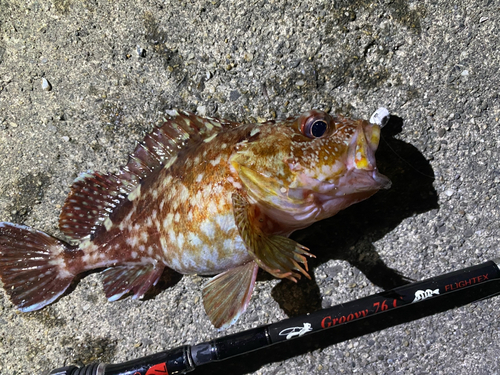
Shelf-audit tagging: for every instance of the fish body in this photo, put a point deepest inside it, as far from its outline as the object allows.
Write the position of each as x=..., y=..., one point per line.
x=199, y=196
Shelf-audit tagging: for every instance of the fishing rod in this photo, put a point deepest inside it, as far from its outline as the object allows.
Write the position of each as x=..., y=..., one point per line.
x=480, y=281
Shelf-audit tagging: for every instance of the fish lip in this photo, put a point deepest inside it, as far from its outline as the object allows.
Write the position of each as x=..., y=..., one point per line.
x=353, y=182
x=371, y=181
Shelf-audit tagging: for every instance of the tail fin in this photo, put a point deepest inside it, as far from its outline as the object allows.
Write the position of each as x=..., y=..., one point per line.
x=32, y=266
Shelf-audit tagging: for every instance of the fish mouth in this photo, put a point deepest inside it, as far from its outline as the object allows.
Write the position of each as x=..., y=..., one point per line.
x=354, y=181
x=358, y=181
x=355, y=186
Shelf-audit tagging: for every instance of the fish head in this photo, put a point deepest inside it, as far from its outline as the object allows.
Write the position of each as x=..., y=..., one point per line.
x=308, y=168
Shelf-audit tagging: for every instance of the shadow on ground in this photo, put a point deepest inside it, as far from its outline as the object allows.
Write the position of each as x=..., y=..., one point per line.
x=350, y=234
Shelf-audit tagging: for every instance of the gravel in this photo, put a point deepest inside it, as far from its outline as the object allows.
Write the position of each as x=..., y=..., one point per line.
x=116, y=67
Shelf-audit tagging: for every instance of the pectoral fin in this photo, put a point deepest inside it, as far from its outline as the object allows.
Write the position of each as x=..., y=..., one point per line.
x=226, y=296
x=278, y=255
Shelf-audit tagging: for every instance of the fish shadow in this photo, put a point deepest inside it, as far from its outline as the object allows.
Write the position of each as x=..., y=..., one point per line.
x=350, y=235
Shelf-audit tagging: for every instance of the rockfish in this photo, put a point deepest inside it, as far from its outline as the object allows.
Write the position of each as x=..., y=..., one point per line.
x=200, y=196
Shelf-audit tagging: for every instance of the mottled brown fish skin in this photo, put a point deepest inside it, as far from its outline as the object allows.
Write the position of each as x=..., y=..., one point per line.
x=182, y=216
x=199, y=196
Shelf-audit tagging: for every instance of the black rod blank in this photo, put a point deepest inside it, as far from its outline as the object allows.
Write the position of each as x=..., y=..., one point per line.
x=186, y=358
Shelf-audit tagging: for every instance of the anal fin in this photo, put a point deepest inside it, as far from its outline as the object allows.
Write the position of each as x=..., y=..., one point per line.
x=226, y=296
x=120, y=280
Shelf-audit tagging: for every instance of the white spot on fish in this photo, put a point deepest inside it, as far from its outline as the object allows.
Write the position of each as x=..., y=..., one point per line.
x=183, y=195
x=164, y=247
x=176, y=265
x=208, y=255
x=132, y=241
x=228, y=244
x=216, y=123
x=135, y=193
x=215, y=161
x=194, y=240
x=167, y=223
x=171, y=235
x=180, y=241
x=212, y=208
x=208, y=228
x=254, y=131
x=208, y=125
x=236, y=184
x=86, y=245
x=168, y=165
x=225, y=222
x=210, y=138
x=188, y=261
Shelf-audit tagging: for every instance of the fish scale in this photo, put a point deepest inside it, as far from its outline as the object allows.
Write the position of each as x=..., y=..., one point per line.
x=199, y=196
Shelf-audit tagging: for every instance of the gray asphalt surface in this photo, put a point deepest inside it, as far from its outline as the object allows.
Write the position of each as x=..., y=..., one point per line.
x=114, y=67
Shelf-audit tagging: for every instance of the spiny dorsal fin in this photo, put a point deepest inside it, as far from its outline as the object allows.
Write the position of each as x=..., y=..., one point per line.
x=181, y=129
x=94, y=196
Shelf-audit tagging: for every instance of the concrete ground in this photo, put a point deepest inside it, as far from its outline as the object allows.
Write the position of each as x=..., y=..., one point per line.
x=112, y=68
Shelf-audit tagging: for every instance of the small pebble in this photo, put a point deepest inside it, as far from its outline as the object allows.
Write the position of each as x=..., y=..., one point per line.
x=300, y=83
x=141, y=52
x=448, y=192
x=234, y=95
x=248, y=57
x=46, y=85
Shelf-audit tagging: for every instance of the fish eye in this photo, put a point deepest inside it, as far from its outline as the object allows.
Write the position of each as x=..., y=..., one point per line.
x=315, y=127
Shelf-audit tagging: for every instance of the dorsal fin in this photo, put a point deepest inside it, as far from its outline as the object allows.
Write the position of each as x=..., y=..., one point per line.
x=94, y=196
x=178, y=131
